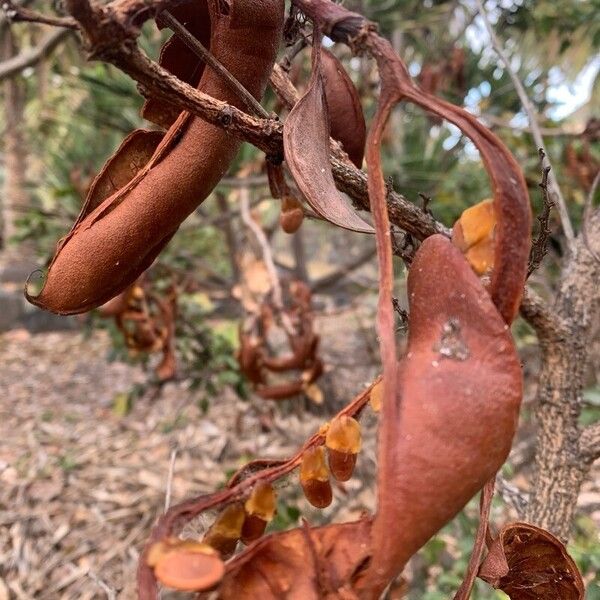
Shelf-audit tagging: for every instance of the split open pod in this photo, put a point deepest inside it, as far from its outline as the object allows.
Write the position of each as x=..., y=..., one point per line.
x=154, y=182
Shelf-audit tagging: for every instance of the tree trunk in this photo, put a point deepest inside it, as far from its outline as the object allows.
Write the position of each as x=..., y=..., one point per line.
x=15, y=196
x=564, y=453
x=14, y=192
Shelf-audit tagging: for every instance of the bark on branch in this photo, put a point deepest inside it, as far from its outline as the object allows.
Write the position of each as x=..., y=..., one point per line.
x=564, y=452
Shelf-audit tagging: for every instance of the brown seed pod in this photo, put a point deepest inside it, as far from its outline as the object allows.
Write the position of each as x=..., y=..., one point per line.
x=306, y=145
x=343, y=441
x=114, y=242
x=260, y=509
x=450, y=406
x=346, y=118
x=314, y=477
x=226, y=531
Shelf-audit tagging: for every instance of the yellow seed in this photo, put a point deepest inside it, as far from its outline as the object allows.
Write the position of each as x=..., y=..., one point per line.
x=314, y=477
x=473, y=234
x=185, y=565
x=343, y=443
x=262, y=501
x=344, y=435
x=225, y=532
x=475, y=224
x=260, y=509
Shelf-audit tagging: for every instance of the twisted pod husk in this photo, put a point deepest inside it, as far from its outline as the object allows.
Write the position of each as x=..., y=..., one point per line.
x=118, y=236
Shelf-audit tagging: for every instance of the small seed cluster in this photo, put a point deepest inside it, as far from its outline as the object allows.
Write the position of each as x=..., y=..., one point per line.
x=190, y=565
x=343, y=443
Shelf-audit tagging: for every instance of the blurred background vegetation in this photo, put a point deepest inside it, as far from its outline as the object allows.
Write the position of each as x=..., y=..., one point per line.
x=75, y=113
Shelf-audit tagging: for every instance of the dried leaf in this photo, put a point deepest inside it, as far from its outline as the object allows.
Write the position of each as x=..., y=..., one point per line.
x=306, y=144
x=302, y=564
x=529, y=563
x=346, y=118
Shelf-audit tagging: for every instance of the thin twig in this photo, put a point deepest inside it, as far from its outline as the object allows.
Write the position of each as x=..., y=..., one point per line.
x=549, y=326
x=587, y=214
x=539, y=247
x=545, y=131
x=512, y=495
x=203, y=53
x=267, y=255
x=16, y=14
x=533, y=124
x=34, y=55
x=170, y=479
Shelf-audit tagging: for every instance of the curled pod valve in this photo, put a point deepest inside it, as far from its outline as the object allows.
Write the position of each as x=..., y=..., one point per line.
x=314, y=477
x=343, y=441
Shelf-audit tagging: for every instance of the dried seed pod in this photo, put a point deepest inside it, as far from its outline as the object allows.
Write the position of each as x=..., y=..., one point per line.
x=260, y=509
x=529, y=563
x=346, y=119
x=306, y=145
x=314, y=477
x=119, y=235
x=225, y=532
x=185, y=565
x=343, y=441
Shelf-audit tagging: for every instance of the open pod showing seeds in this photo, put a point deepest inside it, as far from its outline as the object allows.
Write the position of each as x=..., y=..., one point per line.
x=449, y=407
x=528, y=563
x=161, y=180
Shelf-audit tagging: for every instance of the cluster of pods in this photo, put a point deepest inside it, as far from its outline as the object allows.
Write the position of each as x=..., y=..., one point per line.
x=259, y=365
x=147, y=323
x=449, y=406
